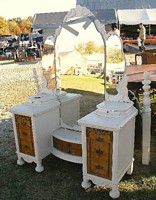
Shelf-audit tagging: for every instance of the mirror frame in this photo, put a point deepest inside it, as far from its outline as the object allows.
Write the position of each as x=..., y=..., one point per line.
x=82, y=14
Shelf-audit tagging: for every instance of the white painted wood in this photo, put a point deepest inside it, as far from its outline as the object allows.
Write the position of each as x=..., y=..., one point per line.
x=65, y=156
x=69, y=107
x=123, y=142
x=146, y=116
x=45, y=111
x=44, y=116
x=68, y=135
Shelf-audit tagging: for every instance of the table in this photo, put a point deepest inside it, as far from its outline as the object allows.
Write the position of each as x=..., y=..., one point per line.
x=135, y=76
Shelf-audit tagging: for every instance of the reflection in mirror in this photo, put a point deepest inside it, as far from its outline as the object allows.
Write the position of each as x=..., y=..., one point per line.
x=76, y=50
x=48, y=68
x=115, y=63
x=77, y=40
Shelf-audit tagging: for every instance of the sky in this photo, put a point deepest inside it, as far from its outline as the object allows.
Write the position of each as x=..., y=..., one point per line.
x=24, y=8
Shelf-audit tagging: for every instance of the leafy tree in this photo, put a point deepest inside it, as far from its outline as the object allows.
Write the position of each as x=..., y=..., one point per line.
x=89, y=48
x=16, y=30
x=3, y=26
x=80, y=48
x=15, y=25
x=11, y=25
x=24, y=25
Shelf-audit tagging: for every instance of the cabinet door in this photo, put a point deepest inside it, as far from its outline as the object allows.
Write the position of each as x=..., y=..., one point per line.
x=99, y=152
x=25, y=134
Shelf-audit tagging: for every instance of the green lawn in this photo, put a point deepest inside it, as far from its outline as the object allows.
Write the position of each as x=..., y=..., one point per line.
x=61, y=180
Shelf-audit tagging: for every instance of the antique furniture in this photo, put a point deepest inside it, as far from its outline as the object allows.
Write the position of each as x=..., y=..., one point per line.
x=108, y=144
x=35, y=120
x=103, y=141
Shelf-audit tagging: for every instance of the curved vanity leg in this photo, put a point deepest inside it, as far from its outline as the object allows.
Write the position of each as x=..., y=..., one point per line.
x=39, y=167
x=86, y=184
x=114, y=193
x=20, y=161
x=130, y=169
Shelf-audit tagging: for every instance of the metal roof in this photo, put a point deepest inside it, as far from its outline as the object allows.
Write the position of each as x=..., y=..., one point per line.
x=117, y=4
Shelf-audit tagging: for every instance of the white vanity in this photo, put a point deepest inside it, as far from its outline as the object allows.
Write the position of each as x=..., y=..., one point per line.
x=103, y=141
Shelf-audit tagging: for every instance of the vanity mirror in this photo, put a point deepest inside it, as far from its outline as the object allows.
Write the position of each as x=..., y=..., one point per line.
x=115, y=63
x=80, y=36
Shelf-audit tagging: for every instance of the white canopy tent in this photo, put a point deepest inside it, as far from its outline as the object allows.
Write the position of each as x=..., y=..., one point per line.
x=136, y=16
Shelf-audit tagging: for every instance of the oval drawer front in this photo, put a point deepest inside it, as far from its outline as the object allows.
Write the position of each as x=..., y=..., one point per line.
x=67, y=147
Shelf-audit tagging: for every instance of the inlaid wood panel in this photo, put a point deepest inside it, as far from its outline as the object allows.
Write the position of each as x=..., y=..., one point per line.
x=67, y=147
x=99, y=152
x=25, y=134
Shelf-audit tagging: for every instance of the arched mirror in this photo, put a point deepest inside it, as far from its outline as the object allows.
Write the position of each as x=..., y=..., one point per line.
x=79, y=38
x=115, y=64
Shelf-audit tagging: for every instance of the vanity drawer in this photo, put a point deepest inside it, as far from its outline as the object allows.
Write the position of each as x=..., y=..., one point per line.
x=67, y=147
x=23, y=121
x=26, y=147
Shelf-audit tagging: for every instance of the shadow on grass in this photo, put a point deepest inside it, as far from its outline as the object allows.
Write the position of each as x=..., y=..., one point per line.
x=61, y=179
x=88, y=101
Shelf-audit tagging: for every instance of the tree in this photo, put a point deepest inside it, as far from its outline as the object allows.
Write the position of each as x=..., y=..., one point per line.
x=24, y=25
x=3, y=26
x=11, y=26
x=15, y=25
x=89, y=48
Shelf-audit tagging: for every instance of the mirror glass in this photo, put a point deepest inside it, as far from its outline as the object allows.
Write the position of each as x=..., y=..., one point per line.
x=115, y=63
x=79, y=48
x=48, y=65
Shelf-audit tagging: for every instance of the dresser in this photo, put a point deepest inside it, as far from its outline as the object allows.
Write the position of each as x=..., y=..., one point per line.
x=37, y=128
x=108, y=144
x=33, y=122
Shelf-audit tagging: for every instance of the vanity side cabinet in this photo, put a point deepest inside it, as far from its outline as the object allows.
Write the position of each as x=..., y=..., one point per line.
x=107, y=152
x=33, y=126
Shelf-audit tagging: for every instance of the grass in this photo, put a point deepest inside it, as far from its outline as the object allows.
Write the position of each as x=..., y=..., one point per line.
x=61, y=180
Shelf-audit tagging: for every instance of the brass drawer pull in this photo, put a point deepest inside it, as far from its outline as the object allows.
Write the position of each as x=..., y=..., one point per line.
x=23, y=123
x=99, y=139
x=68, y=145
x=99, y=167
x=99, y=151
x=24, y=133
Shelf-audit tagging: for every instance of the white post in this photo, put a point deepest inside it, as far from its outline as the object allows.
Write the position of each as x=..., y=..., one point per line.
x=146, y=116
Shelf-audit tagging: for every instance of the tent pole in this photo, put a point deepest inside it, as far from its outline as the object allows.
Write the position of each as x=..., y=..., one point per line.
x=149, y=29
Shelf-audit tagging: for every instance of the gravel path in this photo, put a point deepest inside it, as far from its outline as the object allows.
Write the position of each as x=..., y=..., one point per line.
x=16, y=83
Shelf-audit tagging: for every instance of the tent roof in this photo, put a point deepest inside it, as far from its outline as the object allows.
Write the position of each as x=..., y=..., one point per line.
x=106, y=16
x=117, y=4
x=136, y=16
x=48, y=20
x=53, y=20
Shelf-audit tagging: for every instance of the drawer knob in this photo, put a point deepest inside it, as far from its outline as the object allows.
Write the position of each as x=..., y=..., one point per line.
x=68, y=145
x=99, y=151
x=23, y=123
x=99, y=167
x=24, y=133
x=27, y=147
x=99, y=139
